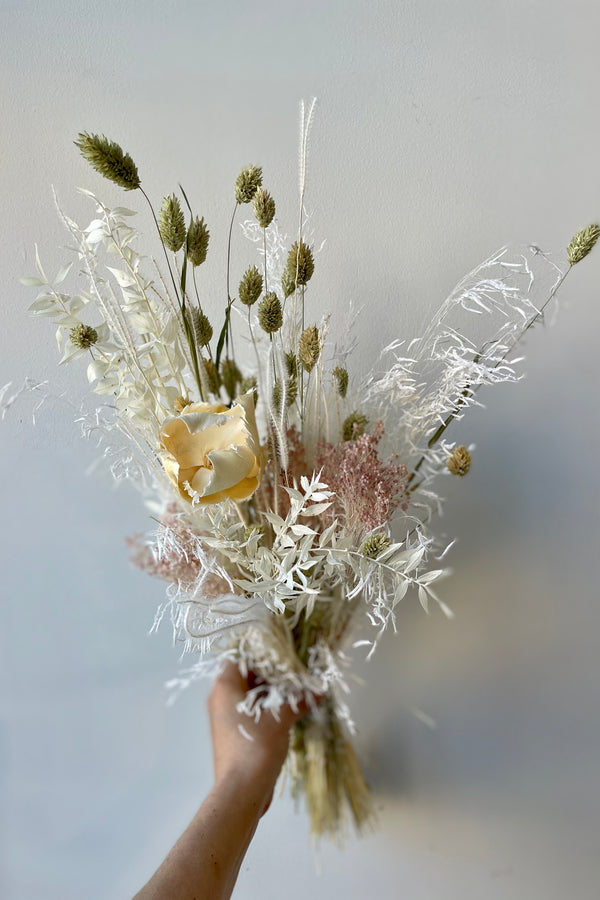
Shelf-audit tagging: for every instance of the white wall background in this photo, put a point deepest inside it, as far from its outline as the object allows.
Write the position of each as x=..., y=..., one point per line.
x=444, y=130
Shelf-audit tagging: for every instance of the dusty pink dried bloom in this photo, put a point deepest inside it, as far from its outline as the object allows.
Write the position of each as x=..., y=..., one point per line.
x=368, y=490
x=172, y=566
x=175, y=559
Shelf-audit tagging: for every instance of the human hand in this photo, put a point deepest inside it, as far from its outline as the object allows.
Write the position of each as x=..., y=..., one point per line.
x=252, y=762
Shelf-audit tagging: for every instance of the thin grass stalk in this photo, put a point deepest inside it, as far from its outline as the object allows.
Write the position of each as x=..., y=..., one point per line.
x=193, y=349
x=229, y=331
x=142, y=291
x=305, y=124
x=265, y=257
x=161, y=240
x=176, y=312
x=134, y=355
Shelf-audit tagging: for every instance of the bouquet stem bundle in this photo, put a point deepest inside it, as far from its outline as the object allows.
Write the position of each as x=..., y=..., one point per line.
x=325, y=770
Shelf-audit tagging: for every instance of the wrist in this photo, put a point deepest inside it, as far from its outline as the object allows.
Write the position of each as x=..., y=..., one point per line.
x=250, y=780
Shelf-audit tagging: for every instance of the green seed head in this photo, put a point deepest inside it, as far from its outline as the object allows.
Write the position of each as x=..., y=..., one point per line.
x=460, y=462
x=582, y=243
x=214, y=382
x=107, y=158
x=249, y=384
x=300, y=263
x=309, y=348
x=251, y=286
x=83, y=336
x=341, y=376
x=230, y=376
x=203, y=330
x=375, y=545
x=264, y=207
x=171, y=224
x=354, y=425
x=270, y=314
x=292, y=391
x=247, y=183
x=292, y=364
x=197, y=241
x=250, y=530
x=291, y=383
x=288, y=282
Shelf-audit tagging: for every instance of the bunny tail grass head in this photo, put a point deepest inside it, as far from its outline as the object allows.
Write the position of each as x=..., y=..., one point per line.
x=107, y=158
x=270, y=314
x=197, y=241
x=582, y=243
x=171, y=224
x=375, y=545
x=203, y=330
x=300, y=263
x=309, y=347
x=354, y=425
x=460, y=462
x=83, y=336
x=251, y=286
x=341, y=376
x=264, y=207
x=230, y=376
x=247, y=183
x=288, y=283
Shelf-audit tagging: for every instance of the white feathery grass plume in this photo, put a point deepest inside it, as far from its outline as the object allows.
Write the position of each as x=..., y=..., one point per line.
x=434, y=378
x=306, y=121
x=278, y=415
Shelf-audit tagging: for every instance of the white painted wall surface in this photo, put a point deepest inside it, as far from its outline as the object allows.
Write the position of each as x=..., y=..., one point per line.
x=443, y=131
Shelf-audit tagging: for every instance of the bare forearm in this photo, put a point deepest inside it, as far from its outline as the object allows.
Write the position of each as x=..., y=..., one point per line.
x=248, y=755
x=204, y=863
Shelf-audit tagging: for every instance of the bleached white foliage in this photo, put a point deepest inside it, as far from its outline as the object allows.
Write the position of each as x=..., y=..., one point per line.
x=431, y=381
x=140, y=360
x=277, y=584
x=282, y=678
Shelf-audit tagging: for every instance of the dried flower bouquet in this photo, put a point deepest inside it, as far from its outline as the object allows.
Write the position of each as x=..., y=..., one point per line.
x=293, y=503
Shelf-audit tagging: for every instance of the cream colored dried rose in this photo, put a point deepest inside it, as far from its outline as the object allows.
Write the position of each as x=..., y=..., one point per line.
x=215, y=450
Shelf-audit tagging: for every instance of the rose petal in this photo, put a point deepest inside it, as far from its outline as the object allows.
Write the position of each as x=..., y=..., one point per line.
x=200, y=480
x=202, y=421
x=191, y=449
x=229, y=467
x=241, y=491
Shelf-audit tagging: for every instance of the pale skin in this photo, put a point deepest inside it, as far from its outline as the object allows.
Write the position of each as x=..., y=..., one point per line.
x=205, y=861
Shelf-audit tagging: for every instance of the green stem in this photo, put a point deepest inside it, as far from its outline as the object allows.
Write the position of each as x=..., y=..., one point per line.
x=142, y=291
x=229, y=300
x=196, y=288
x=189, y=333
x=161, y=240
x=265, y=255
